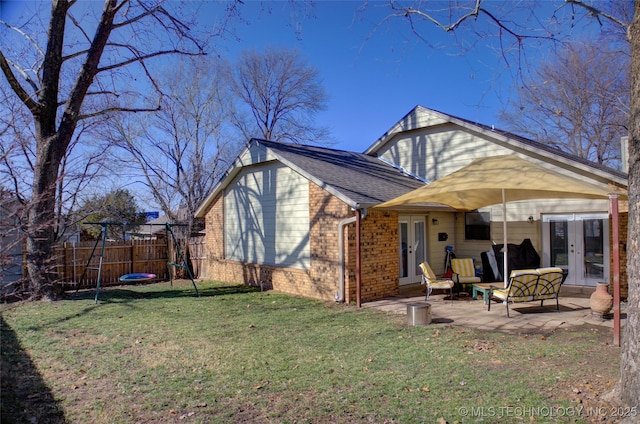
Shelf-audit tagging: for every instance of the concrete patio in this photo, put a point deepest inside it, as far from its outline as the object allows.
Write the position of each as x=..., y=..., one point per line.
x=525, y=317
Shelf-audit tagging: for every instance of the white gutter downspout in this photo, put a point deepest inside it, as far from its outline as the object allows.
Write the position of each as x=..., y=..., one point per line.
x=340, y=293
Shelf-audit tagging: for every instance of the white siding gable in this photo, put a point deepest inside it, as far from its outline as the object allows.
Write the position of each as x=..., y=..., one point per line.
x=434, y=152
x=267, y=217
x=254, y=154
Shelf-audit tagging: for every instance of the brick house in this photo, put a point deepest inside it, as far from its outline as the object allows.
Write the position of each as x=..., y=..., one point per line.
x=299, y=219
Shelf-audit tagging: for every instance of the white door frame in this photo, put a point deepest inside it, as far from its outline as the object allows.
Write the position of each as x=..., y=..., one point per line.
x=412, y=249
x=583, y=269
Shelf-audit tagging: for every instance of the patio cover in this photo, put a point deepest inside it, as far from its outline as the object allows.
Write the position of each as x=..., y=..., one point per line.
x=494, y=180
x=500, y=179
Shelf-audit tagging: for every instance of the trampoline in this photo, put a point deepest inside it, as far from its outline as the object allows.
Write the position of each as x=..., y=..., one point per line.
x=137, y=277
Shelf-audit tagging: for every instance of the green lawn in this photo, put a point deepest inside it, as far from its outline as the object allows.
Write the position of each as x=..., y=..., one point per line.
x=160, y=354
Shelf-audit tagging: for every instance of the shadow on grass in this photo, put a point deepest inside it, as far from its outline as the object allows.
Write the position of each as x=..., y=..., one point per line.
x=129, y=297
x=122, y=295
x=25, y=398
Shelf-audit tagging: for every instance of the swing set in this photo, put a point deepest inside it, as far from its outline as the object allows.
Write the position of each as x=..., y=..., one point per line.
x=136, y=277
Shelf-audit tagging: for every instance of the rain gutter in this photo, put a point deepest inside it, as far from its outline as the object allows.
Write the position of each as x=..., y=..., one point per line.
x=340, y=294
x=358, y=279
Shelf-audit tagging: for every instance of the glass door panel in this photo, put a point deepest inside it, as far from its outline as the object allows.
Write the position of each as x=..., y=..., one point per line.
x=403, y=250
x=578, y=243
x=411, y=249
x=594, y=250
x=559, y=241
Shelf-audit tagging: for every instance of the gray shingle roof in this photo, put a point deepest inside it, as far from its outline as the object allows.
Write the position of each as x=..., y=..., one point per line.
x=363, y=179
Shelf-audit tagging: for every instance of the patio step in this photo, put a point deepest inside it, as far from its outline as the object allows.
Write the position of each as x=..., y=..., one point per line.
x=576, y=291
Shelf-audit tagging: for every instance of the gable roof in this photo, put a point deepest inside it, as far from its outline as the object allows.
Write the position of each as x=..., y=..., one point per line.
x=359, y=180
x=362, y=180
x=421, y=117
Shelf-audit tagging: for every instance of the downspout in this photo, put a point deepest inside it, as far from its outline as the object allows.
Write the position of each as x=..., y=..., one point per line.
x=340, y=293
x=358, y=279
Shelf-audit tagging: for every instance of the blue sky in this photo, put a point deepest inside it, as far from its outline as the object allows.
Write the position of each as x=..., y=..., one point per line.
x=375, y=75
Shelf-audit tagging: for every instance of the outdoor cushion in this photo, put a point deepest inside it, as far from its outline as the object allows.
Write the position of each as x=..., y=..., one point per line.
x=522, y=285
x=433, y=282
x=549, y=282
x=464, y=271
x=526, y=285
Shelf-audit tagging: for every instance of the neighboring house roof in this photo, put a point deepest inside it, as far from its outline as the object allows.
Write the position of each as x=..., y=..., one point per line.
x=359, y=180
x=158, y=225
x=151, y=227
x=421, y=117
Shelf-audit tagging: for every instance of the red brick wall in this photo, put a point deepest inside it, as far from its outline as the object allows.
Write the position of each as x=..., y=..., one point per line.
x=379, y=256
x=214, y=241
x=623, y=225
x=325, y=213
x=379, y=253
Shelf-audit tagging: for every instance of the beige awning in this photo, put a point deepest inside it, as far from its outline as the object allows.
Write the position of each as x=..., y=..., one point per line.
x=485, y=180
x=501, y=179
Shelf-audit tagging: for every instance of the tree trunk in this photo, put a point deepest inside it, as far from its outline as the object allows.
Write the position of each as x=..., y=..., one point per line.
x=41, y=219
x=629, y=382
x=52, y=143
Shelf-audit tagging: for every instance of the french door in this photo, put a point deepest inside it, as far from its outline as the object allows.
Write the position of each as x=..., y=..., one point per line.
x=578, y=243
x=412, y=248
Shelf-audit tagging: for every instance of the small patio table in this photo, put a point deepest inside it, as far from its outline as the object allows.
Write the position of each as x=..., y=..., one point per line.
x=485, y=289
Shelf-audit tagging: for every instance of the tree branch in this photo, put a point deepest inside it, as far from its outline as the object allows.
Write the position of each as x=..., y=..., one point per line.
x=117, y=109
x=79, y=27
x=25, y=35
x=28, y=101
x=90, y=67
x=597, y=12
x=407, y=11
x=146, y=57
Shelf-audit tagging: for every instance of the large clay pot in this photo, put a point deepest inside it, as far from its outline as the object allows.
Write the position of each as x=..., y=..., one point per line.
x=601, y=301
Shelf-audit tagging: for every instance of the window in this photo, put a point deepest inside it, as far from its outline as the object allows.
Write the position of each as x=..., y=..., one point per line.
x=477, y=226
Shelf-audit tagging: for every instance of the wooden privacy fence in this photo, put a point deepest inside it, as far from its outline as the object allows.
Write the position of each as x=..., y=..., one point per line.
x=135, y=256
x=197, y=251
x=120, y=258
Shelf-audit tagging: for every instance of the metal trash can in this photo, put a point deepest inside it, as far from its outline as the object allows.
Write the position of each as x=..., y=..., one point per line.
x=419, y=314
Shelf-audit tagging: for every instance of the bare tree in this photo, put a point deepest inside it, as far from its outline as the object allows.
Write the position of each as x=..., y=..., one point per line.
x=577, y=101
x=181, y=151
x=82, y=70
x=279, y=95
x=513, y=30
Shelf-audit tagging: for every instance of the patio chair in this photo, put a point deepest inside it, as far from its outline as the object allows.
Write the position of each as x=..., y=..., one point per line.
x=549, y=284
x=433, y=282
x=528, y=285
x=463, y=271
